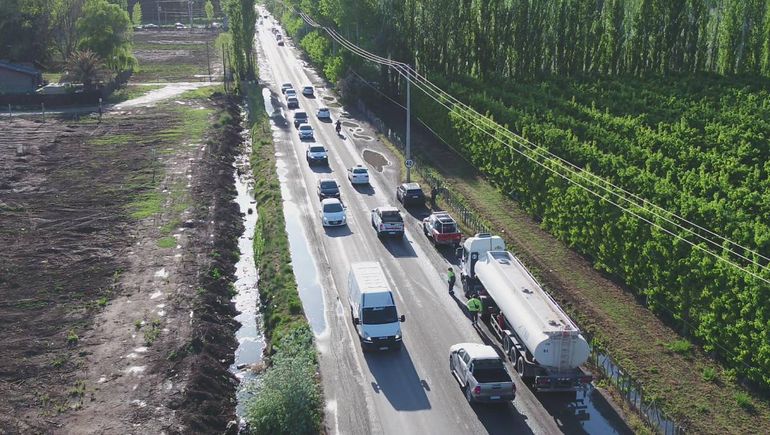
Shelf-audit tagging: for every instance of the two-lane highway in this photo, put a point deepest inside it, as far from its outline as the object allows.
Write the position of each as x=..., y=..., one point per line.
x=411, y=391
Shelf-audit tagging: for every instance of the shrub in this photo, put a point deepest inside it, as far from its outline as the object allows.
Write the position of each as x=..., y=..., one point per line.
x=744, y=401
x=682, y=347
x=288, y=397
x=709, y=374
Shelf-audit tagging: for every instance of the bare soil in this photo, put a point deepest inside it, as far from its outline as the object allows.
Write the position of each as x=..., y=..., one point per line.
x=181, y=55
x=106, y=328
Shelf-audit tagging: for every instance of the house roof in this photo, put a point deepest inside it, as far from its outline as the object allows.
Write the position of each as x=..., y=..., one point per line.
x=19, y=68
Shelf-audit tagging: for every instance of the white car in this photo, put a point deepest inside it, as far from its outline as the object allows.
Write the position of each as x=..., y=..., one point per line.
x=308, y=91
x=316, y=153
x=305, y=132
x=332, y=213
x=358, y=175
x=323, y=113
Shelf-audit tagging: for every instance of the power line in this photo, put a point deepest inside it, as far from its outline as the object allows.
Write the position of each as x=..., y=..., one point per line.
x=452, y=104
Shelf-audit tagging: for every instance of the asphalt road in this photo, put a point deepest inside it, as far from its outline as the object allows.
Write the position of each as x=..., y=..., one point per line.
x=411, y=391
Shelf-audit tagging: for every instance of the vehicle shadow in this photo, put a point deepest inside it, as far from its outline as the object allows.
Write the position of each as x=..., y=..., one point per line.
x=366, y=189
x=418, y=211
x=396, y=378
x=342, y=231
x=324, y=120
x=502, y=418
x=321, y=169
x=398, y=247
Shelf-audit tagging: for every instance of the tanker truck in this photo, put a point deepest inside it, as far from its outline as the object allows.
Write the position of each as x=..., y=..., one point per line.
x=544, y=344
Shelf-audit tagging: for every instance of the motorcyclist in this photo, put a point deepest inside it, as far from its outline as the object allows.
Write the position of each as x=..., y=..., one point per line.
x=338, y=126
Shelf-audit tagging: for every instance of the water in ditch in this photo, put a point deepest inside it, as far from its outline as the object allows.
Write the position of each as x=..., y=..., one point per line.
x=251, y=341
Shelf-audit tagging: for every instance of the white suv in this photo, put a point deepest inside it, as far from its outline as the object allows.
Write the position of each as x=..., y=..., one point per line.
x=388, y=220
x=358, y=175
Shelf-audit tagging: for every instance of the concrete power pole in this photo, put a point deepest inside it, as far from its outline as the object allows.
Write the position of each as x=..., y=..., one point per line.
x=409, y=161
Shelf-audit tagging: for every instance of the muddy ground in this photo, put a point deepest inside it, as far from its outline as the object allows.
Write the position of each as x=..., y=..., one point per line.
x=118, y=243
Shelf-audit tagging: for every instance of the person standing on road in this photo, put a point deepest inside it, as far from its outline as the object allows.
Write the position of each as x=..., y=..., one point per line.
x=450, y=276
x=474, y=308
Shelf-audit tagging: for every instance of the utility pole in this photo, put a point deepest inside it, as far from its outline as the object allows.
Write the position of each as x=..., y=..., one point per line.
x=208, y=58
x=158, y=1
x=189, y=11
x=409, y=161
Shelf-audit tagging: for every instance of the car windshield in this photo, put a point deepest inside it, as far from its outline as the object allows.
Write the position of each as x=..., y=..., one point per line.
x=317, y=149
x=391, y=216
x=414, y=192
x=300, y=115
x=323, y=109
x=329, y=185
x=305, y=127
x=359, y=171
x=333, y=208
x=379, y=315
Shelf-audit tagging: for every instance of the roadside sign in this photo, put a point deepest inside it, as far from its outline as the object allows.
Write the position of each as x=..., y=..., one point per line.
x=409, y=163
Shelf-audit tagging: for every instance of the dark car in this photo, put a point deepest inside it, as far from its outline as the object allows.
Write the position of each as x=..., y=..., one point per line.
x=328, y=189
x=300, y=117
x=410, y=193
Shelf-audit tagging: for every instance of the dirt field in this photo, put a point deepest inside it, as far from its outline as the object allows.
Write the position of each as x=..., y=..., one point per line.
x=169, y=56
x=118, y=243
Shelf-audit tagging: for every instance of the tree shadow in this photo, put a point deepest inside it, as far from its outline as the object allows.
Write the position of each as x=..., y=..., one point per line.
x=396, y=378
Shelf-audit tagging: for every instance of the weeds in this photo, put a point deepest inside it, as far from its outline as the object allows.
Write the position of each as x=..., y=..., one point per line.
x=152, y=333
x=167, y=242
x=682, y=347
x=102, y=301
x=215, y=273
x=72, y=337
x=709, y=374
x=744, y=401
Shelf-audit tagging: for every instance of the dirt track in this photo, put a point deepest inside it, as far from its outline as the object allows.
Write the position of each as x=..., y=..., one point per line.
x=118, y=241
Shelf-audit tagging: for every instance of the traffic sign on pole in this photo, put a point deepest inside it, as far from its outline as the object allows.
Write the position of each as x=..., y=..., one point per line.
x=409, y=163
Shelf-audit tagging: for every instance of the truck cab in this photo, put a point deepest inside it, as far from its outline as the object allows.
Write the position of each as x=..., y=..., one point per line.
x=472, y=249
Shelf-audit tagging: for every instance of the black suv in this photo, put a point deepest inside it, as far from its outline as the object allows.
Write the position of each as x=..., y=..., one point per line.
x=410, y=193
x=300, y=117
x=328, y=189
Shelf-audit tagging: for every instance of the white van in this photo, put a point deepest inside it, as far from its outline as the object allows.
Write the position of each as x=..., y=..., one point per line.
x=373, y=308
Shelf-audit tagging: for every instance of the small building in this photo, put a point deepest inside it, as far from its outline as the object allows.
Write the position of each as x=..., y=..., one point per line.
x=18, y=79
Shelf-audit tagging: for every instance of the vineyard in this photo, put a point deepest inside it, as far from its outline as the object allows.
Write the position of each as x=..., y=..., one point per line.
x=696, y=148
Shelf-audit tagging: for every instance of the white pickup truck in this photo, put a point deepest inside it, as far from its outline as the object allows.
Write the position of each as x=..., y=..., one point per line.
x=481, y=373
x=387, y=220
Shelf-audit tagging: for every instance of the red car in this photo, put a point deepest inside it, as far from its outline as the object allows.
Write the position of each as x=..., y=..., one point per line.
x=442, y=229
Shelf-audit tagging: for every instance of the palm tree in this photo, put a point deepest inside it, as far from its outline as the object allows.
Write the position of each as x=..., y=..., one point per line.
x=86, y=67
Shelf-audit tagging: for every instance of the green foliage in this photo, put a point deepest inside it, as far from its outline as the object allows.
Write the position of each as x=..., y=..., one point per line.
x=86, y=67
x=105, y=29
x=682, y=347
x=288, y=397
x=209, y=9
x=333, y=68
x=72, y=337
x=136, y=14
x=316, y=46
x=744, y=401
x=709, y=374
x=167, y=242
x=242, y=26
x=694, y=147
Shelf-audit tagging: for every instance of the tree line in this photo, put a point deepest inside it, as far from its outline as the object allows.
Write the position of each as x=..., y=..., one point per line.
x=494, y=39
x=51, y=31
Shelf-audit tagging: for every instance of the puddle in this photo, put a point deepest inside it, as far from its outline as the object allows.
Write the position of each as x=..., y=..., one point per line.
x=376, y=159
x=251, y=341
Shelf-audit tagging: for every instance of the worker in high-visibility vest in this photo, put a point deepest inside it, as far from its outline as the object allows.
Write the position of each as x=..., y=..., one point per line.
x=474, y=308
x=450, y=276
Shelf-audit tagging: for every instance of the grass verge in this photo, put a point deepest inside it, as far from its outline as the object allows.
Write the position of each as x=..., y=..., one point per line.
x=289, y=397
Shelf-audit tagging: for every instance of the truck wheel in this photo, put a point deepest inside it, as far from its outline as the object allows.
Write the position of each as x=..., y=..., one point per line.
x=520, y=367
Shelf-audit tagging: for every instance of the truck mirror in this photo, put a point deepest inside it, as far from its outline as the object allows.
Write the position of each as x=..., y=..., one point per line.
x=403, y=318
x=459, y=252
x=356, y=321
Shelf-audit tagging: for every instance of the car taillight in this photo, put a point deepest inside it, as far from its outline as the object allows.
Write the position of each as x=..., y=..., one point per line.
x=477, y=390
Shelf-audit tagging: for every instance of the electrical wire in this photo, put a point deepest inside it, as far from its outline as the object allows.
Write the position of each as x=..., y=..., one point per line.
x=483, y=123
